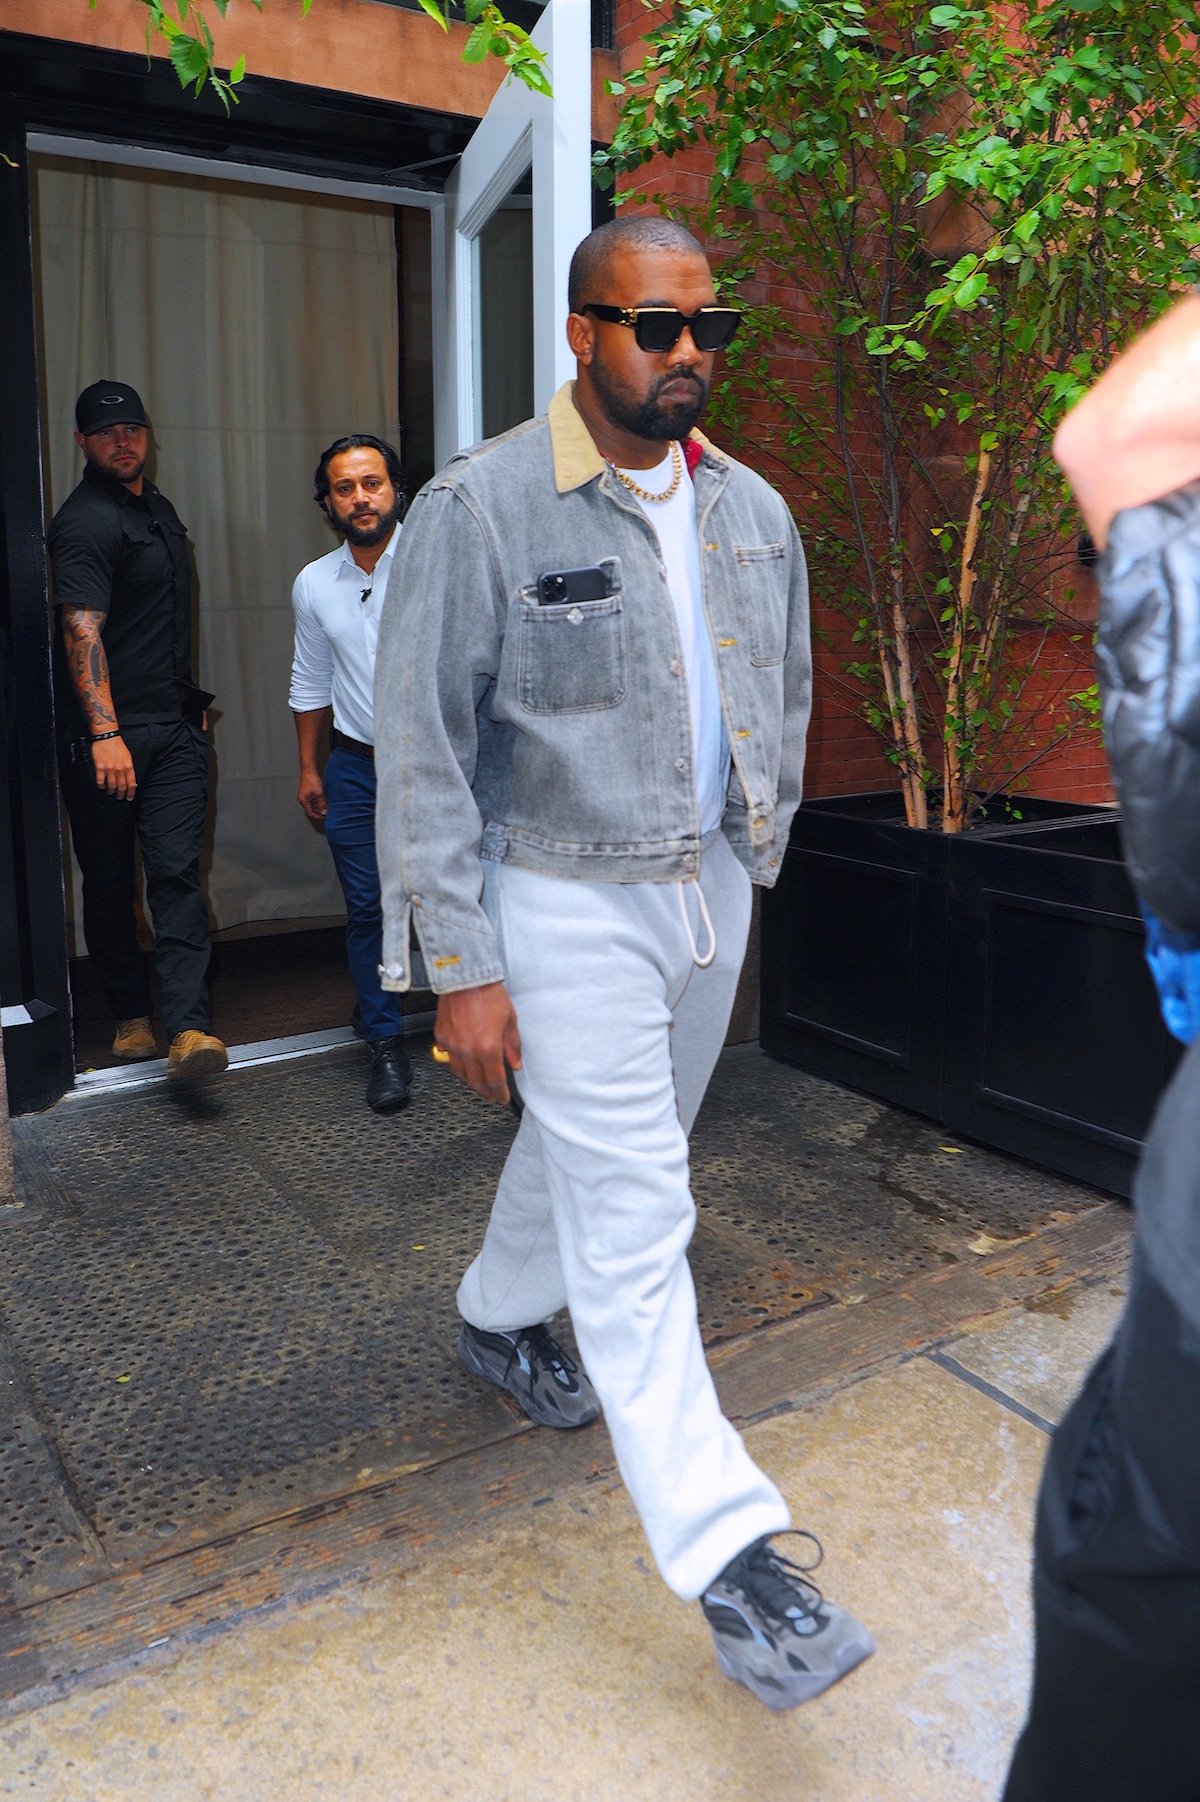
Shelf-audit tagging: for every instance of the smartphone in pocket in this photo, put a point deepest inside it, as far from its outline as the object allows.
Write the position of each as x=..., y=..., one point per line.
x=564, y=587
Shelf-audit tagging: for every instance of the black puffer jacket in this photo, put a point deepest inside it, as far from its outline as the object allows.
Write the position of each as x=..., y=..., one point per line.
x=1149, y=654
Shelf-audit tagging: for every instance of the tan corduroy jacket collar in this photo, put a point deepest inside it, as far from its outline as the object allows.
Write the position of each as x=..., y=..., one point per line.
x=576, y=459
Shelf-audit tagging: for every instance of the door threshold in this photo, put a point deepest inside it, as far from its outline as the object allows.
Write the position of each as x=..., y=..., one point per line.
x=241, y=1057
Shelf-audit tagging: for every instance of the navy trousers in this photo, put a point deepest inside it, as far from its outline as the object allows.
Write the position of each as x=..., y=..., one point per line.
x=350, y=830
x=166, y=820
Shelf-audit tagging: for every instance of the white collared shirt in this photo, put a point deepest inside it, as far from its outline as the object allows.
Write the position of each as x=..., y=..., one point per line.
x=337, y=631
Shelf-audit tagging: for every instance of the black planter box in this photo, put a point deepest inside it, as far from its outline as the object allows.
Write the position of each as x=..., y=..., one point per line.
x=992, y=980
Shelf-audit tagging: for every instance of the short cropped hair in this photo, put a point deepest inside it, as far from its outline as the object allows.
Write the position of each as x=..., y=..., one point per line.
x=635, y=231
x=357, y=441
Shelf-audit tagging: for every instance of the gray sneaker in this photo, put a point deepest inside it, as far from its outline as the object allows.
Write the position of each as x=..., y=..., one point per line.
x=774, y=1630
x=535, y=1369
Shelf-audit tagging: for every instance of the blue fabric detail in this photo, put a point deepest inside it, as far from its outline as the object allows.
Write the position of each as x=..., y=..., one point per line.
x=1174, y=959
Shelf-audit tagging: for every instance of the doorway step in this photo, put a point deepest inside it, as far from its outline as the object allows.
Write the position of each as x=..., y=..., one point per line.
x=275, y=987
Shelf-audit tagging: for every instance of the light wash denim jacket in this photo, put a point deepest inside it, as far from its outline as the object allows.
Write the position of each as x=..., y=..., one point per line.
x=559, y=737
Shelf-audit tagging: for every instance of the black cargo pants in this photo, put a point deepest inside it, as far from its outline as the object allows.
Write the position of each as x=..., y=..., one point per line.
x=166, y=819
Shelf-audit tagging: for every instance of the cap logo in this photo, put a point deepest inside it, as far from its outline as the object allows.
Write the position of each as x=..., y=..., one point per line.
x=111, y=400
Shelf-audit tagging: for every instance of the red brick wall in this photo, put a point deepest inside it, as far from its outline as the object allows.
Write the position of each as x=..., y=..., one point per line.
x=844, y=754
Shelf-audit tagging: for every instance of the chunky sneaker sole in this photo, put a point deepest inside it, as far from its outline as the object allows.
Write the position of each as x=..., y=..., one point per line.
x=776, y=1633
x=758, y=1665
x=535, y=1371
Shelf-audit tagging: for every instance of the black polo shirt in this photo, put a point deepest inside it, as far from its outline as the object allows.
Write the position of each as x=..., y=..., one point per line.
x=125, y=555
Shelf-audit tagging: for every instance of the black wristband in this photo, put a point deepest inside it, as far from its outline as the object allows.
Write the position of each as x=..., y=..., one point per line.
x=99, y=737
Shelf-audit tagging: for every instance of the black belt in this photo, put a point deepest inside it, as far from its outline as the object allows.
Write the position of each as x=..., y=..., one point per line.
x=343, y=742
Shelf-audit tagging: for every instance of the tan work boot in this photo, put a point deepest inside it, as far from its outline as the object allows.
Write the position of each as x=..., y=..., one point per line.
x=195, y=1053
x=134, y=1038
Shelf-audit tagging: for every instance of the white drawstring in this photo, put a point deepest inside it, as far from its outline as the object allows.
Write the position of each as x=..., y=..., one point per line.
x=701, y=963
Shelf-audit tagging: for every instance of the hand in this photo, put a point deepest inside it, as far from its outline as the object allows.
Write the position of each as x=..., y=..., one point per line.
x=477, y=1028
x=114, y=769
x=311, y=796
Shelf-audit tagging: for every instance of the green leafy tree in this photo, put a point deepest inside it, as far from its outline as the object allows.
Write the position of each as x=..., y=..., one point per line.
x=980, y=205
x=183, y=26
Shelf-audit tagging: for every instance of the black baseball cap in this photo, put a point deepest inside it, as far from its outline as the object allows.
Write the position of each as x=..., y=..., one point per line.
x=109, y=403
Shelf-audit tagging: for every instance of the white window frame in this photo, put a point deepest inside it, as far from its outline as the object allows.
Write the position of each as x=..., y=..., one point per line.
x=521, y=131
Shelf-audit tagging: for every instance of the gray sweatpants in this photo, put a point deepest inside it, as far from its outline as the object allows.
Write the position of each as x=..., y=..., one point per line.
x=620, y=1032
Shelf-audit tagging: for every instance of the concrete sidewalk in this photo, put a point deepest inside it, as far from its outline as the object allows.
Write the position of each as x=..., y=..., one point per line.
x=542, y=1658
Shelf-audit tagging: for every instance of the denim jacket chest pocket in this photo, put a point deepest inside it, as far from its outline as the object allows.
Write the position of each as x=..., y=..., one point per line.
x=762, y=579
x=572, y=658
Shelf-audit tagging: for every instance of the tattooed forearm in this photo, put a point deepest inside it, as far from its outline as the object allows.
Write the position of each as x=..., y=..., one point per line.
x=88, y=666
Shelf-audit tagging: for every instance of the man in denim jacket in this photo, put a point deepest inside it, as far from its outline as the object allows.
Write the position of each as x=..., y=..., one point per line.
x=1115, y=1709
x=592, y=689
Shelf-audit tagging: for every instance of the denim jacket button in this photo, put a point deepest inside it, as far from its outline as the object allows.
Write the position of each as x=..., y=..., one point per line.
x=575, y=616
x=681, y=764
x=675, y=667
x=689, y=862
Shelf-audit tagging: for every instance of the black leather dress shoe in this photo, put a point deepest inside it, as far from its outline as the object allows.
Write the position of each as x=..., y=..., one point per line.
x=390, y=1078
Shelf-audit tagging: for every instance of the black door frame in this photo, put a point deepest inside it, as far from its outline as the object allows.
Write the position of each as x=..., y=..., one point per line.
x=34, y=988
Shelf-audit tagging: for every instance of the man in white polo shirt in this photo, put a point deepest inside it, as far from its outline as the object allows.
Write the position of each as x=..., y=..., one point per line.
x=337, y=602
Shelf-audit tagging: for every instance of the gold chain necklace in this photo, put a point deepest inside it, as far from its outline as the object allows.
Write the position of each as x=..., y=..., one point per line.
x=644, y=494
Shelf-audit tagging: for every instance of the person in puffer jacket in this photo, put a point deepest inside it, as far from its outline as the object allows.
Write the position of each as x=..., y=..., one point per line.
x=1114, y=1714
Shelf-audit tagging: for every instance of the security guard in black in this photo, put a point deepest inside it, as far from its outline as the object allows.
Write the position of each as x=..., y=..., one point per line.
x=133, y=752
x=126, y=555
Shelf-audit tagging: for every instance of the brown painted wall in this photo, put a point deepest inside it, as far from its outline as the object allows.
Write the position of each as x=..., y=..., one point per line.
x=350, y=46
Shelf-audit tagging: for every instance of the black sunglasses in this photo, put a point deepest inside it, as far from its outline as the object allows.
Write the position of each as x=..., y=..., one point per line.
x=658, y=328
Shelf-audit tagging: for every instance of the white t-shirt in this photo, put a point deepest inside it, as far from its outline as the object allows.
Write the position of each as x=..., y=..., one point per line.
x=678, y=535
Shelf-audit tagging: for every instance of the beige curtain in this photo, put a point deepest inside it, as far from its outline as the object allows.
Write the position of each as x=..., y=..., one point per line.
x=258, y=325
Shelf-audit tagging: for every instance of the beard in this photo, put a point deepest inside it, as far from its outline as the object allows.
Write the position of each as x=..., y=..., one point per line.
x=370, y=528
x=125, y=473
x=648, y=415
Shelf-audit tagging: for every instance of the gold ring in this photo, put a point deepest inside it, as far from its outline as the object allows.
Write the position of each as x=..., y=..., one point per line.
x=438, y=1055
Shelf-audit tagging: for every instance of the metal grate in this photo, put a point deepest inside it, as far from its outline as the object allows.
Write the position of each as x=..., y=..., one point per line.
x=40, y=1530
x=250, y=1302
x=218, y=1311
x=845, y=1192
